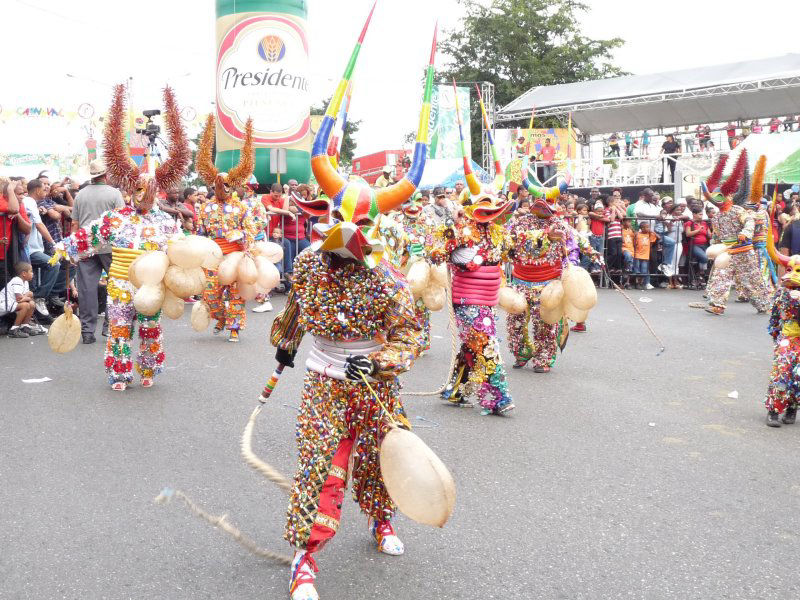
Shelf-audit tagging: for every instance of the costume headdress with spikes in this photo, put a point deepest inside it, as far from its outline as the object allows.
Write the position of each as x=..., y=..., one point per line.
x=239, y=175
x=121, y=168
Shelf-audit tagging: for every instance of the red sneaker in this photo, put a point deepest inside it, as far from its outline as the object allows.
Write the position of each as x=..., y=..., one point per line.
x=578, y=327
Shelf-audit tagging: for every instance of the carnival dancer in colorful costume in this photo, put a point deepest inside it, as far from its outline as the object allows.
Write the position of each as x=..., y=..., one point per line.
x=734, y=227
x=132, y=231
x=539, y=239
x=760, y=223
x=361, y=317
x=413, y=245
x=227, y=220
x=783, y=392
x=475, y=248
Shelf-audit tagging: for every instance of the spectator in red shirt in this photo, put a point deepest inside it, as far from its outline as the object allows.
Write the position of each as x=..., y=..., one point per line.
x=295, y=229
x=277, y=208
x=547, y=155
x=731, y=131
x=599, y=216
x=190, y=201
x=774, y=124
x=698, y=234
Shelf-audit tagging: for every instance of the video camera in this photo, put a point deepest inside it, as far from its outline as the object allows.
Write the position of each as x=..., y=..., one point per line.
x=150, y=129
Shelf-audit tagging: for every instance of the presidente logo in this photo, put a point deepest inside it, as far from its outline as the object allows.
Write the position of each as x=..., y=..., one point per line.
x=271, y=48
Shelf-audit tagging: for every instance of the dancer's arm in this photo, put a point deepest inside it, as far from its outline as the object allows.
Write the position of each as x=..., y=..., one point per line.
x=403, y=337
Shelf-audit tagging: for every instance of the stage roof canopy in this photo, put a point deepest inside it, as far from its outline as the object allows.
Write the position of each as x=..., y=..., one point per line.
x=743, y=90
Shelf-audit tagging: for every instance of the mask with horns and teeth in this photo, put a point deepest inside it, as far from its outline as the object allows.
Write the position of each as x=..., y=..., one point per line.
x=239, y=175
x=351, y=207
x=482, y=202
x=123, y=172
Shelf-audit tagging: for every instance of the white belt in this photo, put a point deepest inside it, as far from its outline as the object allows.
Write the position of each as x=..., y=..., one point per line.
x=329, y=357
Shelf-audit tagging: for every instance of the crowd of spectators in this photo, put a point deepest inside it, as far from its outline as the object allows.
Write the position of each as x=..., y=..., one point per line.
x=640, y=238
x=697, y=139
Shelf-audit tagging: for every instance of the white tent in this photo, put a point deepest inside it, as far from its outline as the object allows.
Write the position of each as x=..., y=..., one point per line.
x=743, y=90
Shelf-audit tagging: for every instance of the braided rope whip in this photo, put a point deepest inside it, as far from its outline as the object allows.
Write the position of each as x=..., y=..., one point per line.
x=639, y=312
x=258, y=465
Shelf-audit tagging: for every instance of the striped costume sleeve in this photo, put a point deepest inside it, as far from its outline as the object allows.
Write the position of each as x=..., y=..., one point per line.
x=287, y=333
x=403, y=336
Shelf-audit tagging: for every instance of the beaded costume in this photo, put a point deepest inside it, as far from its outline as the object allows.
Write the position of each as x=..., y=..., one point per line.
x=359, y=311
x=475, y=249
x=230, y=223
x=475, y=252
x=783, y=392
x=542, y=242
x=130, y=232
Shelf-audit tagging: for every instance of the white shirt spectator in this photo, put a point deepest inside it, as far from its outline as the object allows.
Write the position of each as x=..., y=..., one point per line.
x=35, y=241
x=8, y=295
x=643, y=210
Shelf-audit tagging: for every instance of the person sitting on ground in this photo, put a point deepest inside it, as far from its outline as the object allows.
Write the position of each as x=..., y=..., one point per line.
x=17, y=298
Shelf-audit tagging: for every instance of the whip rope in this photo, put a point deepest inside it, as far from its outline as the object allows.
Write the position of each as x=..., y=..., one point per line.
x=258, y=465
x=220, y=522
x=639, y=312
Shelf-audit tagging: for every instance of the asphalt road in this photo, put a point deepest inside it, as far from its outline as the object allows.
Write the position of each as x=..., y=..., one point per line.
x=620, y=475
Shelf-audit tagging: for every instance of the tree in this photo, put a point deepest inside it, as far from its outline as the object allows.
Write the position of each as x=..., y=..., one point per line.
x=520, y=44
x=348, y=143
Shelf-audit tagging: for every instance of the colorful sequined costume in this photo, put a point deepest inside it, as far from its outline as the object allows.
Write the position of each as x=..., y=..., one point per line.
x=734, y=227
x=348, y=308
x=418, y=232
x=475, y=249
x=360, y=313
x=540, y=253
x=475, y=253
x=131, y=231
x=783, y=392
x=228, y=221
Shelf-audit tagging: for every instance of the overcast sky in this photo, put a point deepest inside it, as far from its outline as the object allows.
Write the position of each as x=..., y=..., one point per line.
x=99, y=42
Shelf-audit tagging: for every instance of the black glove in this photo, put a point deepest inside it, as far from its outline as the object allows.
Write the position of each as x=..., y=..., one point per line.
x=359, y=365
x=285, y=357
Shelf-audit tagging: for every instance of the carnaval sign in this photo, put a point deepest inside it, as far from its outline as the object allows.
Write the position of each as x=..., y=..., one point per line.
x=443, y=124
x=262, y=72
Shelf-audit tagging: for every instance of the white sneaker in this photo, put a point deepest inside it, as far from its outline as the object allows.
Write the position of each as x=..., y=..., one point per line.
x=301, y=585
x=649, y=287
x=387, y=540
x=41, y=307
x=263, y=307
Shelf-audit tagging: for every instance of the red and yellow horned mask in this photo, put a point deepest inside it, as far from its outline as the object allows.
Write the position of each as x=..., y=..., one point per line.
x=351, y=208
